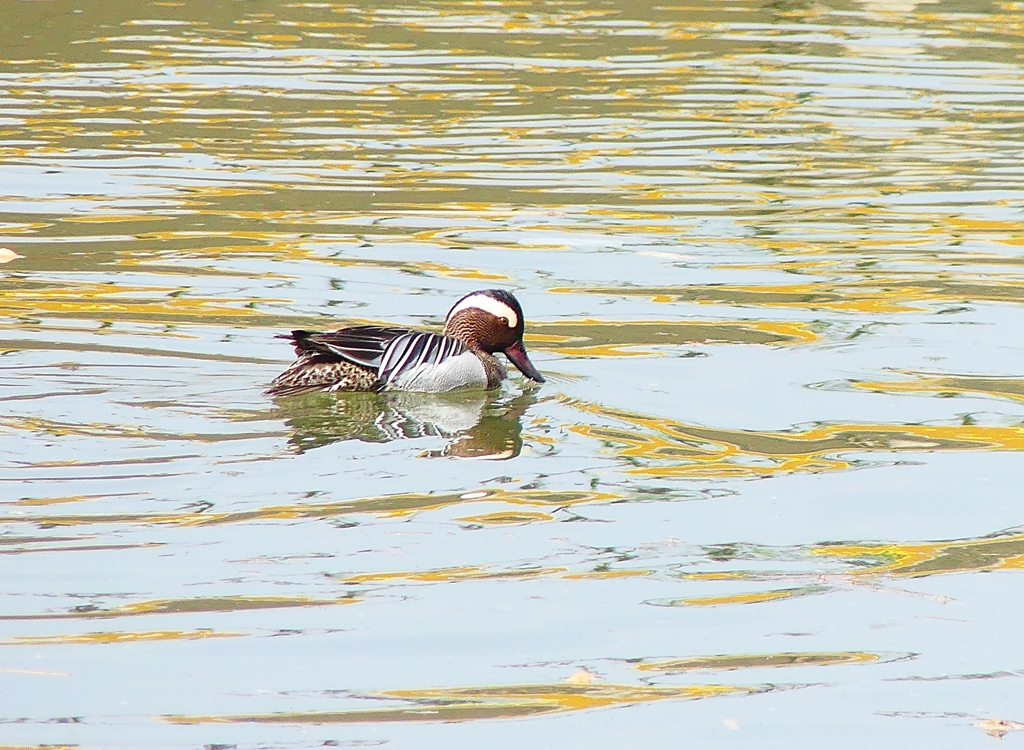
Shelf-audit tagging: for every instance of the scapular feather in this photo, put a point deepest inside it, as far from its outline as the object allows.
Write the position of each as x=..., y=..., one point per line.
x=360, y=345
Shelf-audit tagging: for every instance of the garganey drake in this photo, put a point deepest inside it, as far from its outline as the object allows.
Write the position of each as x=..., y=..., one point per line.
x=377, y=358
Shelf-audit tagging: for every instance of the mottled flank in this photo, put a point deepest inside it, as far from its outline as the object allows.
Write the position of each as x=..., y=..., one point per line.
x=319, y=373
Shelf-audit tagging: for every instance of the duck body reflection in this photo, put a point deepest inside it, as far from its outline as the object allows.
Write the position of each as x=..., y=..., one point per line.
x=480, y=425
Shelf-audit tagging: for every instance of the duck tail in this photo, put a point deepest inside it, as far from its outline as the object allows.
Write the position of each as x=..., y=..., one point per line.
x=301, y=341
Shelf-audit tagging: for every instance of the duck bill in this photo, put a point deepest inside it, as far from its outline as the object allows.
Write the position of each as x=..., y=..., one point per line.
x=517, y=356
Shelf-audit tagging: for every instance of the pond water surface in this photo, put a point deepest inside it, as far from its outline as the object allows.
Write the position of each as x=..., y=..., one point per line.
x=771, y=256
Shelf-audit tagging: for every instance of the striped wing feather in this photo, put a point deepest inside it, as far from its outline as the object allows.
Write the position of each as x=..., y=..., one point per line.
x=412, y=349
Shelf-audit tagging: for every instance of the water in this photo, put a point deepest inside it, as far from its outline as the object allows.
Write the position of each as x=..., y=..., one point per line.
x=770, y=259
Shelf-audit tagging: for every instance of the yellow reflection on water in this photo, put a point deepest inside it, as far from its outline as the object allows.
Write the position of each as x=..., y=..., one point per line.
x=915, y=559
x=948, y=385
x=182, y=606
x=758, y=661
x=107, y=637
x=607, y=573
x=469, y=704
x=867, y=560
x=32, y=501
x=448, y=575
x=596, y=338
x=23, y=298
x=881, y=292
x=506, y=519
x=384, y=505
x=491, y=573
x=872, y=563
x=754, y=597
x=679, y=449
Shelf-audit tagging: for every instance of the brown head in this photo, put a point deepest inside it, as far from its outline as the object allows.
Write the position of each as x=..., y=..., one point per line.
x=492, y=320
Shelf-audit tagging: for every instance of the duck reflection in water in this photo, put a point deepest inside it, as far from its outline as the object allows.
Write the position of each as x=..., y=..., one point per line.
x=480, y=424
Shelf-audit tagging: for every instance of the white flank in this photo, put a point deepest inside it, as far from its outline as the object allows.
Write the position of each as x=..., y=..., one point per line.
x=488, y=304
x=459, y=373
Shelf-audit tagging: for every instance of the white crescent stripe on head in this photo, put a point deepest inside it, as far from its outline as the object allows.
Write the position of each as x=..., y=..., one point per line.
x=488, y=304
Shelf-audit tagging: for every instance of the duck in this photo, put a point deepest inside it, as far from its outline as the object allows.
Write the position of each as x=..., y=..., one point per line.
x=384, y=358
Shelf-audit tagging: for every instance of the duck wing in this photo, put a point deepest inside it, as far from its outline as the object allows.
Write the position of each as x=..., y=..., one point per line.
x=360, y=345
x=409, y=351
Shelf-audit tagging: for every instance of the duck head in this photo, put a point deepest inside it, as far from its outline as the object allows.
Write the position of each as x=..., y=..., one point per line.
x=492, y=320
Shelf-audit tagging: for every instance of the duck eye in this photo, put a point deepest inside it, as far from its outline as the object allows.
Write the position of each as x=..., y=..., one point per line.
x=503, y=321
